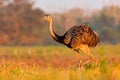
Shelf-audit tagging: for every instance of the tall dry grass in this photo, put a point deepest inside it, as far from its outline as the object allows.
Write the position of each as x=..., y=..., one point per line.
x=55, y=63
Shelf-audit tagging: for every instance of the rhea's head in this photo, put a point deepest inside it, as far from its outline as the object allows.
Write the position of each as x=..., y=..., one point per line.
x=48, y=18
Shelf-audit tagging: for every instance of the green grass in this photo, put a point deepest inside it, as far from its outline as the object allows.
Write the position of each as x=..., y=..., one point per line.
x=40, y=63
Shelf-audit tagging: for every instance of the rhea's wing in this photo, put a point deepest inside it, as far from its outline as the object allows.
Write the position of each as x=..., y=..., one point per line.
x=81, y=34
x=67, y=38
x=86, y=36
x=70, y=34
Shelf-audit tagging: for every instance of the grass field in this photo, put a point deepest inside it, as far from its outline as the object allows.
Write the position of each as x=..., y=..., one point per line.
x=56, y=63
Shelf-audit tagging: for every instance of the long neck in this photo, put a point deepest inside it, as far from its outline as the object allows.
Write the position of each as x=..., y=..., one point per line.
x=54, y=35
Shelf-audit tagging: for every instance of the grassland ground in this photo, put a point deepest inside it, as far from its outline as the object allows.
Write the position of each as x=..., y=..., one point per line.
x=56, y=63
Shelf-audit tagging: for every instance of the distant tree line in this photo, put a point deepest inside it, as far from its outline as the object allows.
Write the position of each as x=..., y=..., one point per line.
x=22, y=24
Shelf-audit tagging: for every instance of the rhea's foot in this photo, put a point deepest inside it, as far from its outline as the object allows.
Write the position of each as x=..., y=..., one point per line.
x=89, y=61
x=79, y=65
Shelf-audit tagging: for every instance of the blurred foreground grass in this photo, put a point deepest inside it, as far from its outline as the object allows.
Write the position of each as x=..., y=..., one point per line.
x=54, y=63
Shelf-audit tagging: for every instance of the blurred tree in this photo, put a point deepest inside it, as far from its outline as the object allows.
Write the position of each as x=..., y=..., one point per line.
x=20, y=24
x=107, y=24
x=70, y=18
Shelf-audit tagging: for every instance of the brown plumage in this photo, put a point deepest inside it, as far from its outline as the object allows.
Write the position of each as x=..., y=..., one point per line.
x=79, y=37
x=81, y=34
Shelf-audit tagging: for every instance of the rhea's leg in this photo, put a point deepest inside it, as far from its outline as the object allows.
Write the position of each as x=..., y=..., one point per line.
x=86, y=50
x=79, y=61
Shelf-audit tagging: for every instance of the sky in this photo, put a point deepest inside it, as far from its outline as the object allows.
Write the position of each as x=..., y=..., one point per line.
x=51, y=6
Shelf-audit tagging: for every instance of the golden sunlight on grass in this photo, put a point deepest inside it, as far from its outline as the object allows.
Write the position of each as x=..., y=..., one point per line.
x=55, y=63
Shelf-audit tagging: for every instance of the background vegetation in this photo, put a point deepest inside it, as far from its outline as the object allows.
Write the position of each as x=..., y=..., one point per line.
x=21, y=24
